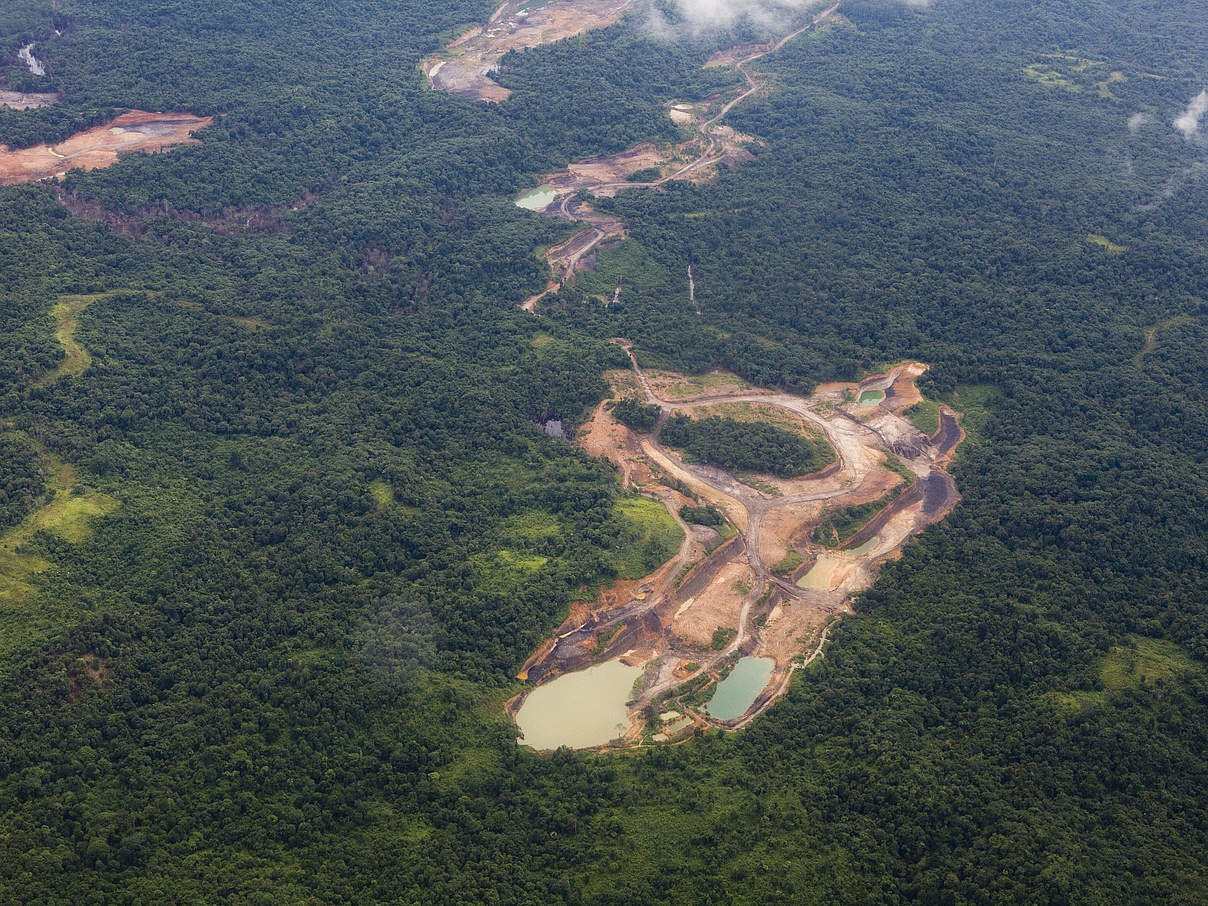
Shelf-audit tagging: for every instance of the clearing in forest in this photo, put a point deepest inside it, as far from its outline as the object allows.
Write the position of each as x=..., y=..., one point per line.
x=68, y=509
x=753, y=589
x=67, y=513
x=27, y=100
x=100, y=146
x=76, y=358
x=466, y=65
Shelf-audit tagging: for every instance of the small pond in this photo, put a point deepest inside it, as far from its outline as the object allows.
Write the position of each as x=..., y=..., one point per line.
x=581, y=709
x=871, y=397
x=738, y=691
x=536, y=199
x=865, y=547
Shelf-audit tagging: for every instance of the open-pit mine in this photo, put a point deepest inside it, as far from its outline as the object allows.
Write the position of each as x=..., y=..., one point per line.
x=712, y=637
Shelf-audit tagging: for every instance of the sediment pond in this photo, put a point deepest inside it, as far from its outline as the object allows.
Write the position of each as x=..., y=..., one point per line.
x=535, y=199
x=738, y=691
x=821, y=574
x=871, y=397
x=864, y=548
x=581, y=709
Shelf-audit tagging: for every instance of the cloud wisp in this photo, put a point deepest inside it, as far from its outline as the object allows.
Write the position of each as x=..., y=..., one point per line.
x=699, y=16
x=1189, y=121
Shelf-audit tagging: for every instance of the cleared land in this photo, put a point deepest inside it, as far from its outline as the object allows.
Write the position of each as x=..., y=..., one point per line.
x=101, y=146
x=466, y=65
x=76, y=358
x=771, y=590
x=696, y=159
x=68, y=509
x=26, y=100
x=66, y=513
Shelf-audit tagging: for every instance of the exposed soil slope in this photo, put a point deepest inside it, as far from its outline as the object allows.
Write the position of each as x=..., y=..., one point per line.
x=465, y=67
x=100, y=147
x=25, y=100
x=772, y=590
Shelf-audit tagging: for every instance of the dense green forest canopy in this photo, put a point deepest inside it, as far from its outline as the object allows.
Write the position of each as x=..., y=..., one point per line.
x=273, y=670
x=636, y=415
x=747, y=446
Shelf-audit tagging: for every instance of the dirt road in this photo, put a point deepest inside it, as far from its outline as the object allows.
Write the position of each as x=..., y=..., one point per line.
x=783, y=613
x=605, y=177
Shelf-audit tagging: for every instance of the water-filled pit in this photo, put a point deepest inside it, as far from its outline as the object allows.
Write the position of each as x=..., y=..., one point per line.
x=581, y=709
x=738, y=691
x=536, y=199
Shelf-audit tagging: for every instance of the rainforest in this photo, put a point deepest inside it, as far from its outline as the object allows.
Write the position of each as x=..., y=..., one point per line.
x=829, y=378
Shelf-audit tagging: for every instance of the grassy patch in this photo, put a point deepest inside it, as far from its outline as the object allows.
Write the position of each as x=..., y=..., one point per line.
x=533, y=525
x=604, y=641
x=1105, y=243
x=786, y=564
x=382, y=493
x=528, y=563
x=899, y=468
x=1143, y=661
x=67, y=514
x=1051, y=77
x=1136, y=664
x=66, y=313
x=1104, y=88
x=974, y=402
x=651, y=537
x=925, y=415
x=680, y=387
x=839, y=525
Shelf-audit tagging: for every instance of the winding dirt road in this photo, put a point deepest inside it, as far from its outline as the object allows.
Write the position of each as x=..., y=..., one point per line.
x=666, y=623
x=564, y=259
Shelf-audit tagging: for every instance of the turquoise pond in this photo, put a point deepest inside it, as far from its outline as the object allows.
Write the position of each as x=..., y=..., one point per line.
x=871, y=397
x=738, y=691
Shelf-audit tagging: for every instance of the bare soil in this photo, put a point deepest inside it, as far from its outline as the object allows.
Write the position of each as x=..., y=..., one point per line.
x=101, y=146
x=667, y=620
x=466, y=65
x=22, y=100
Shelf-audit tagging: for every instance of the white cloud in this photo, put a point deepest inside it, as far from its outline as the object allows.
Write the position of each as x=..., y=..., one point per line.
x=703, y=15
x=1189, y=122
x=1137, y=120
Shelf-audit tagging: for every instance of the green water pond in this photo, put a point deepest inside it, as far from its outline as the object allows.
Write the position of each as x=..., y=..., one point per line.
x=738, y=691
